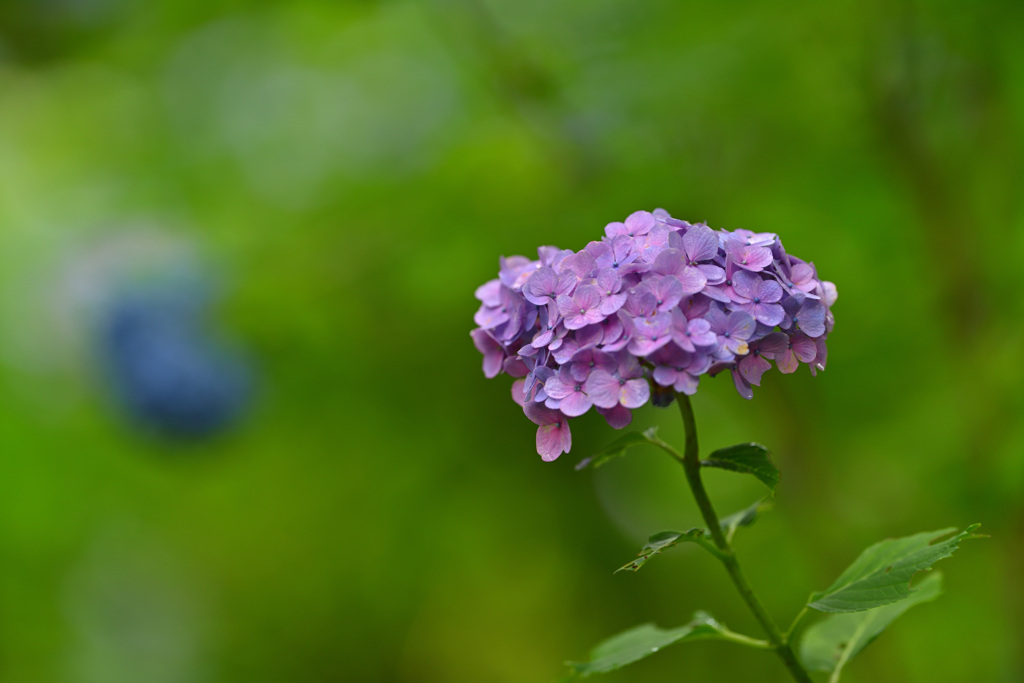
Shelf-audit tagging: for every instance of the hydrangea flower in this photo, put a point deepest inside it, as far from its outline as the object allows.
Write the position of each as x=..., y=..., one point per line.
x=646, y=311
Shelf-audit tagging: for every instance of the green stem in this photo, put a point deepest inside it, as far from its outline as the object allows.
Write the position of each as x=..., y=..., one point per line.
x=796, y=621
x=691, y=465
x=742, y=639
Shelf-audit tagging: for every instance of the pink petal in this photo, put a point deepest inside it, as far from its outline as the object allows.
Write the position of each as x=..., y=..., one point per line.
x=714, y=274
x=617, y=417
x=587, y=297
x=773, y=344
x=575, y=404
x=612, y=303
x=603, y=389
x=687, y=383
x=519, y=392
x=830, y=293
x=745, y=284
x=769, y=291
x=804, y=348
x=751, y=258
x=665, y=376
x=769, y=314
x=639, y=222
x=541, y=415
x=692, y=280
x=550, y=442
x=787, y=362
x=742, y=387
x=488, y=317
x=700, y=243
x=752, y=367
x=669, y=262
x=634, y=393
x=489, y=293
x=615, y=228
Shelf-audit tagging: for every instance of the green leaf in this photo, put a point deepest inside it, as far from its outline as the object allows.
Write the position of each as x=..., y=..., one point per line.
x=666, y=539
x=748, y=458
x=882, y=573
x=832, y=642
x=662, y=540
x=641, y=641
x=618, y=447
x=744, y=517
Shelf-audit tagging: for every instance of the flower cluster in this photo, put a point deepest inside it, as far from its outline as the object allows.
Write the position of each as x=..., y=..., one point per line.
x=642, y=314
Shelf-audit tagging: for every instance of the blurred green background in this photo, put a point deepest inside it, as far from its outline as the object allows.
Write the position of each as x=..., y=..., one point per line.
x=350, y=172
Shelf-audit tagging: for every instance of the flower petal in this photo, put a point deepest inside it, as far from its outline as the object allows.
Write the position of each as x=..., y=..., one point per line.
x=742, y=387
x=752, y=367
x=787, y=362
x=603, y=388
x=575, y=404
x=692, y=280
x=618, y=417
x=700, y=243
x=811, y=318
x=553, y=440
x=634, y=393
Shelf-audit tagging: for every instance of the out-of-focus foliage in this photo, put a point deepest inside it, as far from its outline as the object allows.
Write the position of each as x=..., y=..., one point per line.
x=643, y=641
x=829, y=644
x=352, y=171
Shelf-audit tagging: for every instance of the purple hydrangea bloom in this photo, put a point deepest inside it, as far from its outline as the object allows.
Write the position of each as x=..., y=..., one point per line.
x=799, y=349
x=566, y=393
x=644, y=312
x=732, y=331
x=807, y=314
x=638, y=223
x=689, y=334
x=759, y=297
x=582, y=308
x=754, y=363
x=679, y=369
x=553, y=435
x=626, y=386
x=747, y=256
x=494, y=353
x=609, y=284
x=545, y=285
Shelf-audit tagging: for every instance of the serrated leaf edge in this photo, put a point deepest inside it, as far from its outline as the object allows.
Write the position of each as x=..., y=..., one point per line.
x=942, y=536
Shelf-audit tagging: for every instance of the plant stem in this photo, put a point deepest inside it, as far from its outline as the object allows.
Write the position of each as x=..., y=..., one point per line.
x=743, y=640
x=796, y=620
x=691, y=464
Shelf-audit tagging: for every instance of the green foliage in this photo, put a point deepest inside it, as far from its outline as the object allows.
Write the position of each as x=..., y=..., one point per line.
x=663, y=540
x=743, y=518
x=644, y=640
x=666, y=539
x=748, y=458
x=832, y=642
x=618, y=447
x=882, y=573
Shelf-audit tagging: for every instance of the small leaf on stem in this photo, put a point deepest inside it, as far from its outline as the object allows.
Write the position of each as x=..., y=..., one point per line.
x=641, y=641
x=829, y=644
x=882, y=573
x=666, y=539
x=659, y=542
x=746, y=517
x=748, y=458
x=618, y=447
